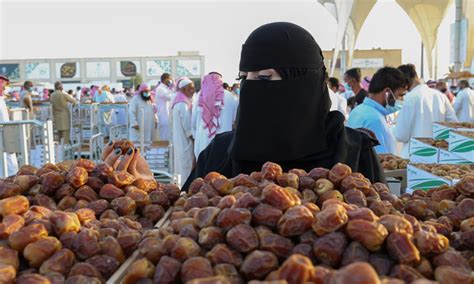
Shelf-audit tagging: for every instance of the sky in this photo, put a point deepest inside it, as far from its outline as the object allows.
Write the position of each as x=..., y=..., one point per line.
x=105, y=28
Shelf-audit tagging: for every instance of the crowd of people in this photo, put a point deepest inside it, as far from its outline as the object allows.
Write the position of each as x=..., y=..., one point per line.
x=288, y=111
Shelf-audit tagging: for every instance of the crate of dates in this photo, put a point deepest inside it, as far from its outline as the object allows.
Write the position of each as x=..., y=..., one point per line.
x=75, y=222
x=323, y=226
x=425, y=150
x=428, y=176
x=461, y=144
x=441, y=130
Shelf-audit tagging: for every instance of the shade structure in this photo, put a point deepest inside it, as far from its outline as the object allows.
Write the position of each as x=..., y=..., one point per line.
x=468, y=13
x=350, y=16
x=427, y=15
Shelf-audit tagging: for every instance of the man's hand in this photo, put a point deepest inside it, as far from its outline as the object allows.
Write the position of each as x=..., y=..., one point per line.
x=136, y=127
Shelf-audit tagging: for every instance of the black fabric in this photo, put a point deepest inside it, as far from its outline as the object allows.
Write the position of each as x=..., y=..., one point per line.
x=353, y=147
x=280, y=45
x=359, y=98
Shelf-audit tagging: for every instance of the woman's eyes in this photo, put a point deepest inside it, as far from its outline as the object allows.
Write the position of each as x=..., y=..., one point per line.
x=241, y=77
x=259, y=77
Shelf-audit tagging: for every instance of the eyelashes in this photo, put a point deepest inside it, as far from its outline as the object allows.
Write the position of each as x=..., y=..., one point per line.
x=259, y=77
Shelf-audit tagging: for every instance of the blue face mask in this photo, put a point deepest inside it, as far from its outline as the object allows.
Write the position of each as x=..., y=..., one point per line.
x=237, y=91
x=347, y=87
x=397, y=104
x=30, y=89
x=146, y=94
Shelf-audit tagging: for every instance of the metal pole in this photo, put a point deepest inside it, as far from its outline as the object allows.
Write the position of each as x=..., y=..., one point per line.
x=457, y=37
x=343, y=57
x=422, y=69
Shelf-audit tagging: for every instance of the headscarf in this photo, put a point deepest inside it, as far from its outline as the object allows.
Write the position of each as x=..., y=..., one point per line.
x=366, y=82
x=286, y=120
x=211, y=101
x=180, y=96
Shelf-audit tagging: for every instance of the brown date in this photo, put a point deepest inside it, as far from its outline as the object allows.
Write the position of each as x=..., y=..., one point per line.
x=322, y=186
x=381, y=207
x=199, y=200
x=279, y=197
x=395, y=223
x=32, y=278
x=356, y=273
x=210, y=236
x=297, y=269
x=229, y=272
x=160, y=198
x=267, y=215
x=355, y=252
x=280, y=246
x=288, y=180
x=86, y=244
x=206, y=217
x=431, y=242
x=338, y=173
x=401, y=248
x=466, y=185
x=295, y=221
x=185, y=248
x=381, y=262
x=10, y=224
x=86, y=193
x=106, y=265
x=51, y=182
x=172, y=191
x=67, y=202
x=258, y=264
x=318, y=173
x=7, y=274
x=271, y=171
x=28, y=234
x=128, y=240
x=196, y=267
x=25, y=182
x=370, y=234
x=110, y=192
x=37, y=252
x=61, y=262
x=9, y=189
x=167, y=270
x=330, y=248
x=450, y=274
x=356, y=197
x=140, y=269
x=243, y=238
x=111, y=247
x=140, y=197
x=85, y=269
x=124, y=205
x=246, y=200
x=362, y=214
x=231, y=217
x=9, y=256
x=221, y=253
x=77, y=177
x=14, y=205
x=405, y=273
x=64, y=222
x=330, y=219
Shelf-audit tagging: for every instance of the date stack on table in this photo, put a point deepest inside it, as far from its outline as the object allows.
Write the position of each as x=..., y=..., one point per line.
x=82, y=222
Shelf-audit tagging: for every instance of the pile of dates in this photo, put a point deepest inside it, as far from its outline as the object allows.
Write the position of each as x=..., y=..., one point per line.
x=325, y=226
x=443, y=144
x=75, y=223
x=391, y=162
x=447, y=171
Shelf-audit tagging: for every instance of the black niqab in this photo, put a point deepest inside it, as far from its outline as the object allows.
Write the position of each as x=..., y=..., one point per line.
x=284, y=120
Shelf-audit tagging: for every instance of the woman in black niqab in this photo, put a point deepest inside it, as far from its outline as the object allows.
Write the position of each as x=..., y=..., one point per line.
x=286, y=121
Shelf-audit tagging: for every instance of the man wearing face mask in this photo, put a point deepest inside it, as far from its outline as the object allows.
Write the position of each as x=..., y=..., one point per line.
x=284, y=113
x=163, y=98
x=443, y=88
x=141, y=116
x=352, y=83
x=386, y=85
x=183, y=141
x=25, y=97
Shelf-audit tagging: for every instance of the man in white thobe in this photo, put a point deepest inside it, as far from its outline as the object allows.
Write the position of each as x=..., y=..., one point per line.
x=163, y=96
x=12, y=163
x=183, y=142
x=464, y=103
x=142, y=117
x=214, y=113
x=422, y=106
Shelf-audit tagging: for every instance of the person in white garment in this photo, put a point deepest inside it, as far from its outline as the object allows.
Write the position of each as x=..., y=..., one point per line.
x=12, y=163
x=103, y=95
x=214, y=113
x=338, y=102
x=163, y=94
x=183, y=140
x=464, y=103
x=422, y=106
x=119, y=116
x=141, y=115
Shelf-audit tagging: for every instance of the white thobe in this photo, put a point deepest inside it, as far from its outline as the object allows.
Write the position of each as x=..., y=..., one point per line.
x=225, y=121
x=338, y=102
x=464, y=105
x=105, y=116
x=182, y=143
x=12, y=163
x=139, y=108
x=163, y=97
x=119, y=116
x=422, y=107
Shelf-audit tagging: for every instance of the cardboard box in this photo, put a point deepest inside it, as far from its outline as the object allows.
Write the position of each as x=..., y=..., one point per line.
x=441, y=132
x=461, y=145
x=446, y=157
x=420, y=179
x=421, y=152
